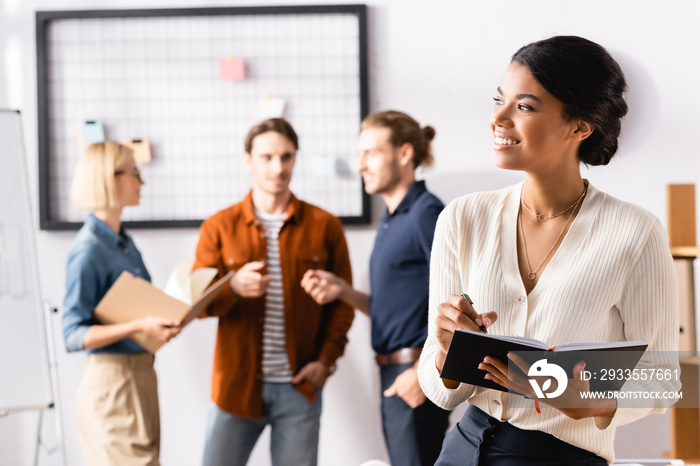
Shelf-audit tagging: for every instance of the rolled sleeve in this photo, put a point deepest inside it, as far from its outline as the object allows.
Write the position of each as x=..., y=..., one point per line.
x=75, y=341
x=82, y=287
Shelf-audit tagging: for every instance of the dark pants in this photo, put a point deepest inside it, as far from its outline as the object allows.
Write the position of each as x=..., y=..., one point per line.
x=413, y=436
x=479, y=439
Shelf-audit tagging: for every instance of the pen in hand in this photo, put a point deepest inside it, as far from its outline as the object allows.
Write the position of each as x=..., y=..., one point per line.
x=469, y=300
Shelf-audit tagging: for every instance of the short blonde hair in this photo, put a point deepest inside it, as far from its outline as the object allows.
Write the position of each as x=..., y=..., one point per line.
x=93, y=180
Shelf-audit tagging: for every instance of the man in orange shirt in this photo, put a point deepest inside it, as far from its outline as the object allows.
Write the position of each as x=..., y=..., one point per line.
x=275, y=345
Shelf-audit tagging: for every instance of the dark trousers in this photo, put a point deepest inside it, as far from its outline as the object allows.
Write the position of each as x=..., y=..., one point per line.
x=480, y=440
x=413, y=436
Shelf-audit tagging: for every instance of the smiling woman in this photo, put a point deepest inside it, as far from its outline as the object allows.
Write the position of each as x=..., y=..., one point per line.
x=551, y=258
x=529, y=126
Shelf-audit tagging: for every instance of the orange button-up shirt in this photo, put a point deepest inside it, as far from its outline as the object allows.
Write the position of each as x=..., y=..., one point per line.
x=310, y=238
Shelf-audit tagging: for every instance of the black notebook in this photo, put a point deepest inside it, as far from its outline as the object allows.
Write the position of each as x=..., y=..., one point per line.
x=469, y=348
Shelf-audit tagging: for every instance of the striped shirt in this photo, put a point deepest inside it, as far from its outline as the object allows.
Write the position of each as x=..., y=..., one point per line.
x=275, y=363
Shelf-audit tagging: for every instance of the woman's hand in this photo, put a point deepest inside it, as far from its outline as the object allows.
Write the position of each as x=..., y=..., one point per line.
x=456, y=313
x=160, y=328
x=571, y=403
x=163, y=329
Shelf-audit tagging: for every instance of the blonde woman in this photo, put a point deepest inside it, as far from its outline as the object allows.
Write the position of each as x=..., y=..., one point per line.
x=117, y=405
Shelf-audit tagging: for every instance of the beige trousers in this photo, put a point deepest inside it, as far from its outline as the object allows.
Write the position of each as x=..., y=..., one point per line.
x=117, y=407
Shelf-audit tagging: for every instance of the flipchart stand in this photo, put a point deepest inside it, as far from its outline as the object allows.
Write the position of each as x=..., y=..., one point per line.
x=49, y=312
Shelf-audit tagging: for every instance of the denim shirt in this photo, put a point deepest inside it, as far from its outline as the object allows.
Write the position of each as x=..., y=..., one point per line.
x=97, y=258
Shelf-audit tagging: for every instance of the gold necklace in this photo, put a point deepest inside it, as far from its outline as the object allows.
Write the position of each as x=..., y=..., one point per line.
x=532, y=274
x=543, y=217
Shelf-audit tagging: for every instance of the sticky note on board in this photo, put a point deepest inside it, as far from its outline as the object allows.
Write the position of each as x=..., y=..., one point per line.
x=323, y=165
x=141, y=148
x=271, y=107
x=91, y=132
x=231, y=69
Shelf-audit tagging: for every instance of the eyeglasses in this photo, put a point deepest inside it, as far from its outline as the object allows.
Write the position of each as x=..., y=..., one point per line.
x=135, y=173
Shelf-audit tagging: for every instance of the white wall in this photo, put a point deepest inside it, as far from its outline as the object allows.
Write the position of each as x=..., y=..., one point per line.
x=440, y=61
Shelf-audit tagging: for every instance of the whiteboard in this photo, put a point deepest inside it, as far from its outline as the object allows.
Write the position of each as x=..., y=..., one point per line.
x=155, y=74
x=24, y=369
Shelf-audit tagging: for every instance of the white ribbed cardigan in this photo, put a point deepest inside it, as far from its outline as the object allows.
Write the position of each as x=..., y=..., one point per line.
x=612, y=279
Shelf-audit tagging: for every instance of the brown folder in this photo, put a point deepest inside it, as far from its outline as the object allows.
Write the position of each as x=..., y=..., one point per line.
x=132, y=298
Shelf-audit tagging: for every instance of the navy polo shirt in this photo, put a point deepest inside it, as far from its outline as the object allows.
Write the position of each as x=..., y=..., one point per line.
x=399, y=270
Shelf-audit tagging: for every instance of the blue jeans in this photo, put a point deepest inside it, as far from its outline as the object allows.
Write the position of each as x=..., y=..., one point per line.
x=413, y=435
x=294, y=422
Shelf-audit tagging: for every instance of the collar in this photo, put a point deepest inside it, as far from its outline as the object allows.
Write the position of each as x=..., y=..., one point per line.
x=412, y=194
x=293, y=210
x=104, y=232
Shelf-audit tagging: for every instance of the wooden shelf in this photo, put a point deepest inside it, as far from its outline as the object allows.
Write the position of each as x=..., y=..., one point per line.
x=687, y=461
x=685, y=414
x=685, y=251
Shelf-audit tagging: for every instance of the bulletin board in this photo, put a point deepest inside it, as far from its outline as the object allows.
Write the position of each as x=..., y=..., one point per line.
x=159, y=75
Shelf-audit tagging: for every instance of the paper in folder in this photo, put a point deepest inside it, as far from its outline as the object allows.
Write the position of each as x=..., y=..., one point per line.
x=132, y=298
